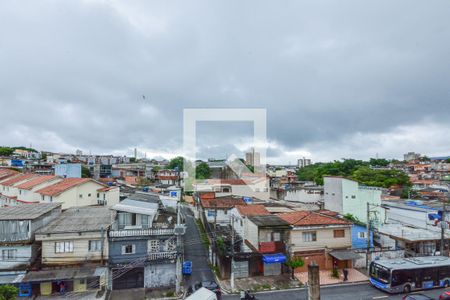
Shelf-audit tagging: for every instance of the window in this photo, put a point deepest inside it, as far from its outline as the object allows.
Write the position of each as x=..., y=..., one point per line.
x=98, y=195
x=89, y=194
x=353, y=197
x=63, y=247
x=153, y=245
x=128, y=249
x=81, y=196
x=9, y=254
x=276, y=237
x=361, y=235
x=95, y=245
x=310, y=236
x=145, y=221
x=339, y=233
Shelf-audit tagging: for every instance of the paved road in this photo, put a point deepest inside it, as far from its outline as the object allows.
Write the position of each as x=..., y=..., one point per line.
x=195, y=251
x=353, y=292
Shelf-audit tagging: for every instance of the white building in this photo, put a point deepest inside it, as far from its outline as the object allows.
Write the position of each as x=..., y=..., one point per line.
x=303, y=162
x=347, y=196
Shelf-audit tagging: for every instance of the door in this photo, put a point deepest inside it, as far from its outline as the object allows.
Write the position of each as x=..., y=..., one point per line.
x=272, y=269
x=46, y=288
x=241, y=269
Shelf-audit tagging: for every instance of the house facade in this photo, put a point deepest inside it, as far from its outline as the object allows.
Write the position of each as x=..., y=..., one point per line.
x=142, y=246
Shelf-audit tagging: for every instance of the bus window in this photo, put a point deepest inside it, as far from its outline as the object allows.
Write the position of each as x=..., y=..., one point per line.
x=430, y=274
x=400, y=277
x=380, y=273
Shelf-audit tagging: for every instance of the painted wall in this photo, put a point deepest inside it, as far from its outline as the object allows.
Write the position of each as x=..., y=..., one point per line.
x=82, y=195
x=68, y=170
x=160, y=275
x=325, y=239
x=24, y=256
x=31, y=195
x=359, y=242
x=115, y=250
x=301, y=195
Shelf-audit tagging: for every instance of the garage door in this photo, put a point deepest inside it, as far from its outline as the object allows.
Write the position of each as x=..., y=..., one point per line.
x=134, y=278
x=241, y=269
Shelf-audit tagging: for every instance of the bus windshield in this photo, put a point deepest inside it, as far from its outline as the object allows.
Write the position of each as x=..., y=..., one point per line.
x=380, y=273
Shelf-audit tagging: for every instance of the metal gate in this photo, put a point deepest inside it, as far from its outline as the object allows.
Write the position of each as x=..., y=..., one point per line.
x=134, y=278
x=272, y=269
x=240, y=269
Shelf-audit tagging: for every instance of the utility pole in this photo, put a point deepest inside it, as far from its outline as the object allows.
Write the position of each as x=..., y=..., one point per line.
x=368, y=235
x=102, y=242
x=179, y=254
x=232, y=254
x=443, y=224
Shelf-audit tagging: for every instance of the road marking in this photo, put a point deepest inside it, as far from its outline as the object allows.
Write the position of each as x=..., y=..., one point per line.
x=379, y=297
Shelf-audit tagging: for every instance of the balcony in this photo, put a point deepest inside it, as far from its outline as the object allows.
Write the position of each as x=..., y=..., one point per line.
x=162, y=255
x=141, y=232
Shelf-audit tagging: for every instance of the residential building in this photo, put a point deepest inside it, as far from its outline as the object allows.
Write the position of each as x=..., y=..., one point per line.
x=27, y=190
x=216, y=210
x=18, y=225
x=68, y=170
x=74, y=249
x=9, y=191
x=303, y=162
x=320, y=237
x=168, y=177
x=252, y=158
x=411, y=156
x=347, y=196
x=142, y=246
x=75, y=192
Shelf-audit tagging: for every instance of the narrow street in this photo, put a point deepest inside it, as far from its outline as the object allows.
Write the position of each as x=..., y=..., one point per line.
x=354, y=292
x=195, y=251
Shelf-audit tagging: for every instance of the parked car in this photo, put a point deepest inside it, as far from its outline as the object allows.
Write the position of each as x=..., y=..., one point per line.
x=417, y=297
x=445, y=296
x=212, y=286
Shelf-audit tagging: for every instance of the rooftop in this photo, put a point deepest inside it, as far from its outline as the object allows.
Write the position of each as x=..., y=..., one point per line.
x=28, y=185
x=414, y=262
x=26, y=212
x=252, y=210
x=145, y=197
x=65, y=184
x=268, y=220
x=310, y=218
x=17, y=179
x=137, y=207
x=80, y=219
x=222, y=202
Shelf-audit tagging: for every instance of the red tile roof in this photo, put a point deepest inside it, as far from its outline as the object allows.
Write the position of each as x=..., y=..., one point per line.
x=35, y=181
x=252, y=210
x=17, y=179
x=6, y=173
x=222, y=202
x=64, y=185
x=309, y=218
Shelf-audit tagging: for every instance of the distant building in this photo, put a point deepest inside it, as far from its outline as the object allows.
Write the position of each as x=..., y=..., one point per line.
x=78, y=152
x=252, y=158
x=303, y=162
x=411, y=156
x=68, y=170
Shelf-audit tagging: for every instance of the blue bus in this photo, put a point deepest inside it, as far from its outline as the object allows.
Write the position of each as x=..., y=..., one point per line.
x=410, y=274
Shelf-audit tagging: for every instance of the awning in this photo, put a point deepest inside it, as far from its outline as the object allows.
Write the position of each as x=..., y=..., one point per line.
x=60, y=274
x=274, y=258
x=344, y=254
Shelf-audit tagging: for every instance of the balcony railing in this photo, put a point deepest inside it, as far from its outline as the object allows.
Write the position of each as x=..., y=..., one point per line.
x=162, y=255
x=141, y=232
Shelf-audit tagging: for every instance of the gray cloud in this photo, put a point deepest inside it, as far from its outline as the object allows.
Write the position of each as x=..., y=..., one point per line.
x=336, y=78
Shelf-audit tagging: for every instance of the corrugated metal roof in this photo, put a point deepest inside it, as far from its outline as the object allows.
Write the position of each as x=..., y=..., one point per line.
x=137, y=207
x=26, y=212
x=80, y=219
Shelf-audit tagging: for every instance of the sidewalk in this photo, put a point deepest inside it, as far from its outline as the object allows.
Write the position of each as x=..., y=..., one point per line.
x=261, y=283
x=326, y=278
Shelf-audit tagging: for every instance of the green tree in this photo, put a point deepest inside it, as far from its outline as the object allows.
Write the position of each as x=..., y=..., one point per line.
x=294, y=263
x=133, y=160
x=176, y=163
x=202, y=171
x=85, y=172
x=8, y=292
x=379, y=162
x=448, y=160
x=6, y=151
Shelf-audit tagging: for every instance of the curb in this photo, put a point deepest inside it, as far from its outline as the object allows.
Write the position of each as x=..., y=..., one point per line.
x=304, y=288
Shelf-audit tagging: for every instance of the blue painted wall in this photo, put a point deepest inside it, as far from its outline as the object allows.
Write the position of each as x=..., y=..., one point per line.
x=115, y=250
x=358, y=243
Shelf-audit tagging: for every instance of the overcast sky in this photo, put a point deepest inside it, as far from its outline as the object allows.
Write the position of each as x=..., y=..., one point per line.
x=338, y=78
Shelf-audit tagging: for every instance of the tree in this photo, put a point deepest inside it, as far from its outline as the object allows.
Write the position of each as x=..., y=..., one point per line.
x=133, y=160
x=447, y=160
x=8, y=292
x=294, y=263
x=176, y=163
x=379, y=162
x=85, y=172
x=202, y=171
x=6, y=151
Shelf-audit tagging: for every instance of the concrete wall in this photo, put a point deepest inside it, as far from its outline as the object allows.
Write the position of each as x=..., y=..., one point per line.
x=333, y=194
x=160, y=275
x=301, y=195
x=223, y=215
x=115, y=250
